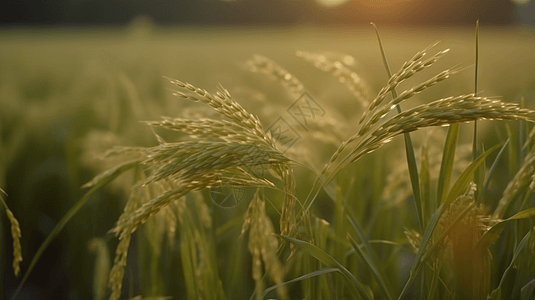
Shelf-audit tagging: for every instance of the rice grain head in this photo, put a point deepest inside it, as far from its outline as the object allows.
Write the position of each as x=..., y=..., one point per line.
x=223, y=103
x=441, y=112
x=263, y=246
x=15, y=234
x=121, y=253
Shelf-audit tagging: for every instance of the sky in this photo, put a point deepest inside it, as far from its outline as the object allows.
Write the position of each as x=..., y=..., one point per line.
x=31, y=13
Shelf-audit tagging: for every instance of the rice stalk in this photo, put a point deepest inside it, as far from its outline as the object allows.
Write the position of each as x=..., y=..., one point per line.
x=15, y=234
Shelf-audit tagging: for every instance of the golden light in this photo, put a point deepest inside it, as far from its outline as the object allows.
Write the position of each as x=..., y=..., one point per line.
x=331, y=3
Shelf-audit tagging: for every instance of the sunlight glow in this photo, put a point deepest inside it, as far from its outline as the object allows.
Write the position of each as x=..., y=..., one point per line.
x=521, y=2
x=331, y=3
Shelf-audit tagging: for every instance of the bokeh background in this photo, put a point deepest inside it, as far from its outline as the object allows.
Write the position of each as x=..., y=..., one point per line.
x=78, y=75
x=266, y=12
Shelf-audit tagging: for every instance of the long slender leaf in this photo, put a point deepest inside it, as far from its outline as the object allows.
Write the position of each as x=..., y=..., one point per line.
x=425, y=185
x=495, y=231
x=355, y=287
x=374, y=260
x=301, y=278
x=491, y=172
x=466, y=177
x=479, y=176
x=528, y=291
x=375, y=271
x=521, y=246
x=446, y=166
x=356, y=227
x=409, y=149
x=97, y=183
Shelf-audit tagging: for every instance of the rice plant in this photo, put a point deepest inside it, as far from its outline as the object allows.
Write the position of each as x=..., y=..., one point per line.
x=222, y=206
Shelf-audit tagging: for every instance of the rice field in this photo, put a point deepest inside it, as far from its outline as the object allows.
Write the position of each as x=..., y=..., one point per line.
x=278, y=163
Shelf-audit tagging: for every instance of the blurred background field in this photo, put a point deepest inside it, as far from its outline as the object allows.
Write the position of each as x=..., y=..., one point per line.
x=67, y=94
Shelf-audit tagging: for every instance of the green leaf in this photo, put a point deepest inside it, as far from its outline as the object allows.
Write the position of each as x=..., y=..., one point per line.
x=355, y=287
x=300, y=278
x=493, y=234
x=528, y=291
x=425, y=186
x=371, y=256
x=491, y=172
x=98, y=182
x=446, y=166
x=475, y=150
x=519, y=248
x=375, y=271
x=409, y=149
x=466, y=177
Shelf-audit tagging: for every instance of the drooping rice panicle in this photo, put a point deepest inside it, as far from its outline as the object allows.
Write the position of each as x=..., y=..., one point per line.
x=186, y=158
x=271, y=69
x=381, y=111
x=523, y=179
x=441, y=112
x=15, y=234
x=220, y=154
x=132, y=220
x=445, y=111
x=121, y=253
x=408, y=69
x=222, y=102
x=208, y=129
x=358, y=87
x=287, y=219
x=263, y=246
